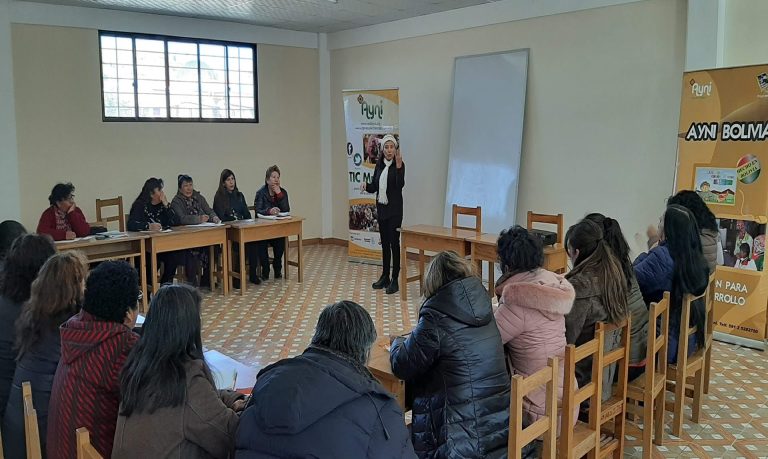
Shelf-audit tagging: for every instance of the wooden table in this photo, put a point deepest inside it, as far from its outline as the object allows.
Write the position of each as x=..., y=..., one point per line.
x=97, y=250
x=190, y=237
x=433, y=239
x=381, y=368
x=483, y=248
x=242, y=232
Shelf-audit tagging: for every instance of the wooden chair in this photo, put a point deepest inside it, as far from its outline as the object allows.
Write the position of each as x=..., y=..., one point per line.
x=709, y=333
x=476, y=212
x=547, y=219
x=31, y=432
x=583, y=438
x=612, y=411
x=84, y=448
x=547, y=425
x=102, y=203
x=688, y=370
x=650, y=387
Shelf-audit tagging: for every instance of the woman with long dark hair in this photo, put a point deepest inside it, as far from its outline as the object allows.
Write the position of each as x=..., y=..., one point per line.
x=709, y=232
x=677, y=265
x=56, y=295
x=152, y=212
x=169, y=405
x=27, y=255
x=601, y=293
x=388, y=183
x=637, y=309
x=229, y=204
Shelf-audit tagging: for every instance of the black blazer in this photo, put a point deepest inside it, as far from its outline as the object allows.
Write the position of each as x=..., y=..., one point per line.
x=395, y=184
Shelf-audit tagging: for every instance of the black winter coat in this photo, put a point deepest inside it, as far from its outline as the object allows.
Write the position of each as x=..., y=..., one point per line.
x=320, y=405
x=231, y=206
x=264, y=201
x=9, y=312
x=38, y=366
x=142, y=214
x=395, y=184
x=454, y=363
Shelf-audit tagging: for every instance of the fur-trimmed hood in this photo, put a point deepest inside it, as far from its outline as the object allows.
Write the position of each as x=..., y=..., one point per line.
x=540, y=290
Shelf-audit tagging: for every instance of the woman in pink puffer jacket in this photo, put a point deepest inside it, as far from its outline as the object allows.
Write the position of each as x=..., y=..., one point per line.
x=533, y=303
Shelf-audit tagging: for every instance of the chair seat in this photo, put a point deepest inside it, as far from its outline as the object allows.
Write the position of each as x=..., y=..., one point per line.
x=636, y=388
x=611, y=408
x=583, y=439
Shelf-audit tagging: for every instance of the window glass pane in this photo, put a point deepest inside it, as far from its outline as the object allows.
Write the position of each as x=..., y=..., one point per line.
x=157, y=46
x=108, y=41
x=125, y=71
x=110, y=85
x=124, y=43
x=109, y=70
x=145, y=72
x=175, y=47
x=152, y=87
x=213, y=63
x=213, y=76
x=212, y=50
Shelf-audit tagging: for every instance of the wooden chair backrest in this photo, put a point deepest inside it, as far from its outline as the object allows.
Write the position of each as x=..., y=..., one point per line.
x=84, y=448
x=573, y=396
x=614, y=409
x=656, y=354
x=476, y=212
x=686, y=330
x=31, y=431
x=546, y=425
x=252, y=209
x=710, y=304
x=102, y=203
x=547, y=219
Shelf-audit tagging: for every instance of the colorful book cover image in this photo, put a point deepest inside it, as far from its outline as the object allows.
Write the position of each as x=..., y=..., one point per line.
x=716, y=186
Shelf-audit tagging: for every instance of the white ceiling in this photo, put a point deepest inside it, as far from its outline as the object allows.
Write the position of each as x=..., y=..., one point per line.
x=303, y=15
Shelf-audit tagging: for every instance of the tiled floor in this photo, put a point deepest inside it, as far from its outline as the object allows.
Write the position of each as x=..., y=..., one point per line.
x=276, y=320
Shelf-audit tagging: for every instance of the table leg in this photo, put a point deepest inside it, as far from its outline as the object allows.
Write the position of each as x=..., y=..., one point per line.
x=285, y=257
x=421, y=271
x=301, y=257
x=403, y=272
x=143, y=274
x=243, y=278
x=225, y=267
x=491, y=285
x=153, y=267
x=212, y=264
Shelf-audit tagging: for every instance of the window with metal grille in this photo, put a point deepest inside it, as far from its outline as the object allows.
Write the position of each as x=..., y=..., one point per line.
x=159, y=78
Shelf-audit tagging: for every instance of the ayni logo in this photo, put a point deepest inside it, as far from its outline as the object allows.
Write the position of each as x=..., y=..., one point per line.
x=701, y=90
x=370, y=111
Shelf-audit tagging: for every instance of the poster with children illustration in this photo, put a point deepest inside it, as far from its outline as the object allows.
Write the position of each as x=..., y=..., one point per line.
x=716, y=186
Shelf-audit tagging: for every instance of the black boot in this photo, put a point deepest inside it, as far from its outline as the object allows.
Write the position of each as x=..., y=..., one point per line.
x=278, y=271
x=393, y=287
x=253, y=277
x=382, y=283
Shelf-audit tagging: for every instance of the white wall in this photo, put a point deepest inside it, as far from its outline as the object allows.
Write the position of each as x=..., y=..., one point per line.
x=61, y=136
x=9, y=165
x=745, y=28
x=601, y=113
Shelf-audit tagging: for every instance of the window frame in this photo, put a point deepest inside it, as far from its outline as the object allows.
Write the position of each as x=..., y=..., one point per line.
x=168, y=119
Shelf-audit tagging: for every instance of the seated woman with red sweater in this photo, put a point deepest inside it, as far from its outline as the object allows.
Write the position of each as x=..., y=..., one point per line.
x=63, y=220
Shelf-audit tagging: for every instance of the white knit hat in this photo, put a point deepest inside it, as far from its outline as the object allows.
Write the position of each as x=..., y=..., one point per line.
x=388, y=138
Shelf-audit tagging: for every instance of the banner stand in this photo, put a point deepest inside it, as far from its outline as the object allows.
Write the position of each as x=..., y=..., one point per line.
x=739, y=341
x=369, y=115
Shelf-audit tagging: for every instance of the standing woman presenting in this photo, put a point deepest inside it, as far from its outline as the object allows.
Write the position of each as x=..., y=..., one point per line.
x=388, y=183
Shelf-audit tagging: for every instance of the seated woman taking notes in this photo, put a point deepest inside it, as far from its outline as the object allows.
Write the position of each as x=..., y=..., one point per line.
x=191, y=208
x=271, y=199
x=152, y=212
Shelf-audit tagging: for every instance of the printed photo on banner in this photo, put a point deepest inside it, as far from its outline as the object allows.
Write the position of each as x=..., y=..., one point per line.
x=373, y=146
x=716, y=186
x=362, y=217
x=743, y=244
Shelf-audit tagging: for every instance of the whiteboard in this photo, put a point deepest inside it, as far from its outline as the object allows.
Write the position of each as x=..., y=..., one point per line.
x=487, y=136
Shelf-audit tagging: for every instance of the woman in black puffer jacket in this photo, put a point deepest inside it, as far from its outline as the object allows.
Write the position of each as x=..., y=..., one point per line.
x=454, y=362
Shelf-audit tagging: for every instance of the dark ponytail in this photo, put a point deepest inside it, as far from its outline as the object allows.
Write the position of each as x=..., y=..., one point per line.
x=614, y=237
